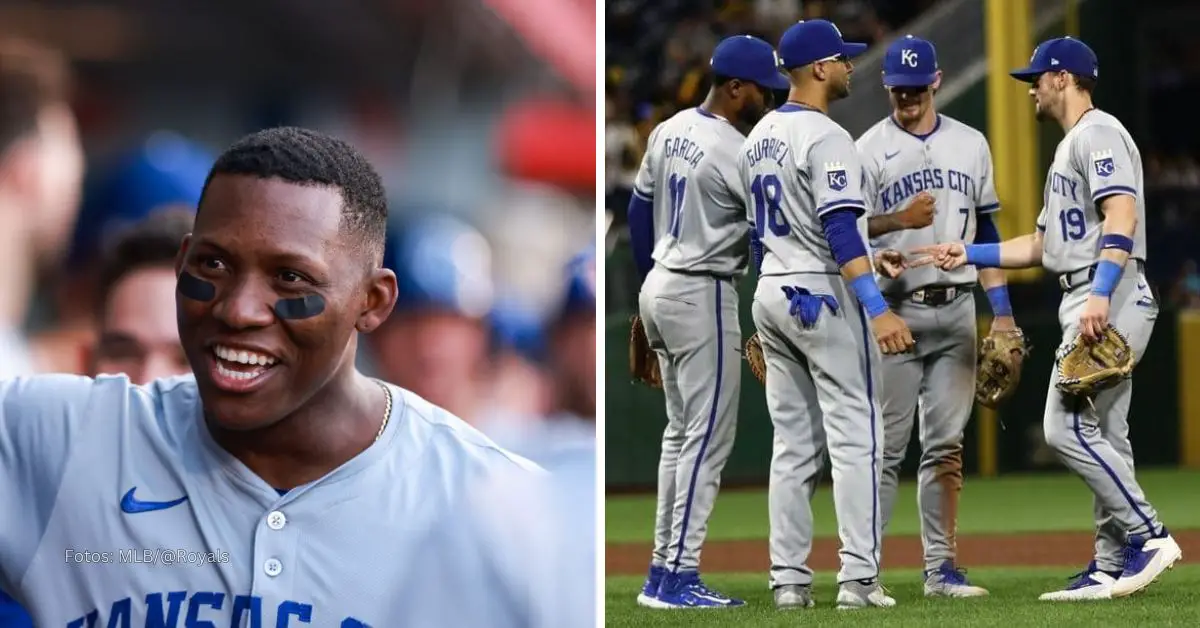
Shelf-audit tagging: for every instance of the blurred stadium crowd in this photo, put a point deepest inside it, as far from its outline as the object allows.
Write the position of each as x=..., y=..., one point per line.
x=657, y=60
x=485, y=145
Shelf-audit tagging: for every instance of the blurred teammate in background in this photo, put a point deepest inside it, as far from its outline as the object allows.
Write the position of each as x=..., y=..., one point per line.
x=520, y=387
x=435, y=343
x=137, y=333
x=557, y=513
x=41, y=169
x=163, y=170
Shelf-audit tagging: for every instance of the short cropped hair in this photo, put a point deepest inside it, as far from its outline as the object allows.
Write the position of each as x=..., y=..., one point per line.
x=1085, y=83
x=32, y=78
x=152, y=243
x=310, y=157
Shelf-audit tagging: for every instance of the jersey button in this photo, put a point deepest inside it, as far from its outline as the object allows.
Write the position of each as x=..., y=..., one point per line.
x=272, y=567
x=276, y=520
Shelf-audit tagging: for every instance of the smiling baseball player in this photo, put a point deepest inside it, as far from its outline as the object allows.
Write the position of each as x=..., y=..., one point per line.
x=688, y=229
x=277, y=486
x=1091, y=233
x=917, y=152
x=820, y=315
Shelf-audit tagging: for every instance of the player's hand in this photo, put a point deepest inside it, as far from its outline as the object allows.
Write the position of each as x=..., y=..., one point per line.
x=946, y=256
x=919, y=212
x=1003, y=324
x=890, y=263
x=891, y=333
x=1094, y=318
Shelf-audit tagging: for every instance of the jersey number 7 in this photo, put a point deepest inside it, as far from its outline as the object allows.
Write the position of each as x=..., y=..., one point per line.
x=768, y=214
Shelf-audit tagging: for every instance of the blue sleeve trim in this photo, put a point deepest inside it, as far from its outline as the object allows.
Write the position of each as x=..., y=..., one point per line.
x=756, y=252
x=1111, y=190
x=841, y=231
x=987, y=209
x=986, y=231
x=868, y=294
x=983, y=255
x=643, y=195
x=641, y=233
x=1108, y=273
x=842, y=203
x=998, y=297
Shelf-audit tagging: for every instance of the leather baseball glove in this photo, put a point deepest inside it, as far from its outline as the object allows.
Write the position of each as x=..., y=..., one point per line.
x=643, y=361
x=1087, y=368
x=1001, y=356
x=754, y=355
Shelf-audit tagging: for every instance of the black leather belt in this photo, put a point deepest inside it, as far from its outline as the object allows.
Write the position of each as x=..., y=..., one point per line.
x=701, y=273
x=1072, y=280
x=937, y=296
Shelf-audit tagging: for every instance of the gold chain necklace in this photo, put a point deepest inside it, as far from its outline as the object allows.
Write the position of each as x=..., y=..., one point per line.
x=387, y=413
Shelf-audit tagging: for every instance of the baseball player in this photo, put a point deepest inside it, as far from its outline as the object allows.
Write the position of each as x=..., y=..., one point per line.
x=277, y=485
x=688, y=230
x=1091, y=233
x=435, y=343
x=816, y=307
x=923, y=159
x=136, y=330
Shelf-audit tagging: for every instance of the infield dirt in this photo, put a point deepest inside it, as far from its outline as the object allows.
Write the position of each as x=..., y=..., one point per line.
x=978, y=550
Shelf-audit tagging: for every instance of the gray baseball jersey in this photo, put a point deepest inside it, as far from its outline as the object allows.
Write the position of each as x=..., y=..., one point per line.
x=121, y=510
x=954, y=164
x=690, y=310
x=936, y=381
x=822, y=380
x=798, y=165
x=1095, y=159
x=690, y=171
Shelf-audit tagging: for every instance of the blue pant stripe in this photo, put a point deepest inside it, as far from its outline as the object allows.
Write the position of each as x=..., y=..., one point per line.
x=1107, y=469
x=712, y=419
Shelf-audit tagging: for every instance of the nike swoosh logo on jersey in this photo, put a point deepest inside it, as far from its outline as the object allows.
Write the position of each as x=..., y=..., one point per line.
x=888, y=156
x=131, y=505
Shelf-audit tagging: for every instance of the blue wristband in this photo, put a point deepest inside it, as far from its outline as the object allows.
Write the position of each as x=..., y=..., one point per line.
x=1116, y=241
x=998, y=297
x=983, y=255
x=1108, y=273
x=868, y=294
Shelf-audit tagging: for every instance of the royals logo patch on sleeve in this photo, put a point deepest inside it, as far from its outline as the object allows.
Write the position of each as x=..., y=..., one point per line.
x=835, y=176
x=1102, y=163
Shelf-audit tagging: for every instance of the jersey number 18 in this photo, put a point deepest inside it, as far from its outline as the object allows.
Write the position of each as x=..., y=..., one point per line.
x=768, y=192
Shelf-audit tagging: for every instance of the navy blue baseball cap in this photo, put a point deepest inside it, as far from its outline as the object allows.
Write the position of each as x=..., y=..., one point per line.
x=1056, y=55
x=910, y=62
x=808, y=41
x=750, y=59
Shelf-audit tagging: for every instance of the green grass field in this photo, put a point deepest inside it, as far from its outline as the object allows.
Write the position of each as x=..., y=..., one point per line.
x=1013, y=504
x=1041, y=503
x=1172, y=601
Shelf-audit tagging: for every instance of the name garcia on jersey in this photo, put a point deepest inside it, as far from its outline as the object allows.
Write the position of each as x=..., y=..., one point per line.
x=205, y=609
x=894, y=195
x=682, y=149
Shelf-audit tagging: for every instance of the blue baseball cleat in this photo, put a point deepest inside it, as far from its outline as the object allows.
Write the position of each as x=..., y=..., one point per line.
x=1146, y=559
x=649, y=595
x=686, y=590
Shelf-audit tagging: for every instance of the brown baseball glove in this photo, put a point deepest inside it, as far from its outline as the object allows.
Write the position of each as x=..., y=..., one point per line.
x=1086, y=368
x=643, y=361
x=1001, y=356
x=754, y=355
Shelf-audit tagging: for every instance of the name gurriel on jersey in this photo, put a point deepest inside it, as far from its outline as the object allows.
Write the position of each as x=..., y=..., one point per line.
x=205, y=608
x=767, y=148
x=926, y=179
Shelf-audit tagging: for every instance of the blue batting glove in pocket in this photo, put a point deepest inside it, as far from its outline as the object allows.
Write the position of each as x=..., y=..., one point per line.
x=807, y=306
